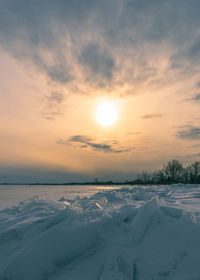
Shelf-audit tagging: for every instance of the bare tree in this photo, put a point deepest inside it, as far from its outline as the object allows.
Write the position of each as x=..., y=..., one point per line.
x=173, y=171
x=158, y=177
x=195, y=172
x=186, y=175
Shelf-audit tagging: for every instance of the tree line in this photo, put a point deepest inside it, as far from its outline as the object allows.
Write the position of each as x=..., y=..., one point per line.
x=172, y=173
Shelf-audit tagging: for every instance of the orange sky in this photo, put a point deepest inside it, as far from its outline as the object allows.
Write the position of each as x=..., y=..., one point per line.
x=59, y=61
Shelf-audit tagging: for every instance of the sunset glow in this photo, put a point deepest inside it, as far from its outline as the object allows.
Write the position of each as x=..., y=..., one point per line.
x=106, y=113
x=100, y=131
x=103, y=90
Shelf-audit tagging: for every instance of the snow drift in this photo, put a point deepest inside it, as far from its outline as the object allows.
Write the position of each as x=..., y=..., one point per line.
x=126, y=234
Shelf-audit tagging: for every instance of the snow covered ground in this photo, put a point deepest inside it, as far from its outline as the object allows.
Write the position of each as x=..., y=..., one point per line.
x=132, y=233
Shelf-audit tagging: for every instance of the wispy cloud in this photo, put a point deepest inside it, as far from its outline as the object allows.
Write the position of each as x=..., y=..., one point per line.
x=55, y=97
x=152, y=116
x=83, y=41
x=189, y=133
x=52, y=105
x=87, y=141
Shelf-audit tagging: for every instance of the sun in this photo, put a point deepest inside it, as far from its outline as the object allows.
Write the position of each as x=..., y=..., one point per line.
x=106, y=113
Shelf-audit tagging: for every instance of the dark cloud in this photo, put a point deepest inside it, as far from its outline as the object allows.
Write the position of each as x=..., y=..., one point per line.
x=86, y=141
x=152, y=116
x=101, y=37
x=194, y=51
x=99, y=64
x=59, y=73
x=83, y=146
x=189, y=132
x=56, y=97
x=80, y=139
x=196, y=97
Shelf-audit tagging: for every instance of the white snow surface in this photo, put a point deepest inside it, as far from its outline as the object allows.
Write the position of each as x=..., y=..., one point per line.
x=128, y=233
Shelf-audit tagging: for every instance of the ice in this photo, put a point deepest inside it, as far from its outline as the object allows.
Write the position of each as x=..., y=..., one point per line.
x=132, y=233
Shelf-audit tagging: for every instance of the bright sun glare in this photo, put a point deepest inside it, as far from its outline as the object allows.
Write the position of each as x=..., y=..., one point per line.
x=106, y=113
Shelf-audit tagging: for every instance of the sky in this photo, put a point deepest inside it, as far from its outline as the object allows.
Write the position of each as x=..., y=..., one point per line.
x=61, y=59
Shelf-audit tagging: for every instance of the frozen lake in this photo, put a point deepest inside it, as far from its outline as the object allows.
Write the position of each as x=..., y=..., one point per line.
x=100, y=232
x=11, y=195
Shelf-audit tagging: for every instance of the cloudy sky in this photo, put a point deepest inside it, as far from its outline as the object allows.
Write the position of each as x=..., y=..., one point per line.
x=61, y=59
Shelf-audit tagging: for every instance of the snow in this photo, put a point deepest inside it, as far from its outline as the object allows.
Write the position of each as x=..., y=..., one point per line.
x=132, y=233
